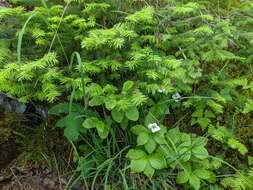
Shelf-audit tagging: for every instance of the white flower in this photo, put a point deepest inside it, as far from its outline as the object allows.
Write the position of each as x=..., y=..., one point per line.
x=161, y=90
x=176, y=97
x=154, y=127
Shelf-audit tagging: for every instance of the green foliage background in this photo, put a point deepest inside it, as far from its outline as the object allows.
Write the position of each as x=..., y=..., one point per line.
x=116, y=68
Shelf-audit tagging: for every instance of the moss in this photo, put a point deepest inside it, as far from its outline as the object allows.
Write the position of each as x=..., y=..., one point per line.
x=41, y=145
x=244, y=130
x=5, y=134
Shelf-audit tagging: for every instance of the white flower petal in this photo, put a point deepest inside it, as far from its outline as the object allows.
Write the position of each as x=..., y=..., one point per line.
x=161, y=90
x=176, y=97
x=154, y=127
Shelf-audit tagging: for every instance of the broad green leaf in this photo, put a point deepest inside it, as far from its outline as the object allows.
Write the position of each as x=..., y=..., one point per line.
x=110, y=103
x=64, y=108
x=212, y=178
x=103, y=130
x=182, y=177
x=159, y=138
x=156, y=114
x=150, y=146
x=100, y=125
x=184, y=152
x=96, y=101
x=199, y=141
x=127, y=86
x=186, y=139
x=149, y=170
x=124, y=123
x=91, y=122
x=174, y=135
x=157, y=161
x=132, y=114
x=142, y=138
x=194, y=181
x=202, y=173
x=200, y=152
x=66, y=121
x=137, y=129
x=135, y=154
x=188, y=167
x=117, y=115
x=72, y=124
x=138, y=165
x=95, y=90
x=71, y=133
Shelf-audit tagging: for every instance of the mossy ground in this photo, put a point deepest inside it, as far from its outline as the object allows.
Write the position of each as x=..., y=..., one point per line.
x=23, y=146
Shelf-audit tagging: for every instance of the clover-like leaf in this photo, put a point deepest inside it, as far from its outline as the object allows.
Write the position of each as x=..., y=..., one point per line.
x=102, y=128
x=200, y=152
x=135, y=154
x=182, y=177
x=90, y=122
x=149, y=170
x=194, y=181
x=138, y=165
x=150, y=145
x=142, y=138
x=137, y=129
x=110, y=102
x=96, y=101
x=72, y=124
x=117, y=115
x=65, y=108
x=157, y=161
x=159, y=138
x=202, y=173
x=124, y=123
x=132, y=113
x=71, y=133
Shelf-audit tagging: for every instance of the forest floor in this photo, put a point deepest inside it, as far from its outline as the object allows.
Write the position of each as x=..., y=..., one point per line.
x=28, y=161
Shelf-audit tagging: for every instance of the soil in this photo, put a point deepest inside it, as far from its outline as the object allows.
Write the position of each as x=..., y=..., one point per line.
x=8, y=152
x=31, y=179
x=16, y=173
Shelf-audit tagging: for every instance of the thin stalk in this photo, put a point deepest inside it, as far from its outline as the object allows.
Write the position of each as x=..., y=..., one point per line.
x=20, y=37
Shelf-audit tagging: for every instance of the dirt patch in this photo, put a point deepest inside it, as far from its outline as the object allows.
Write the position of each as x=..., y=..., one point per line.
x=31, y=179
x=9, y=152
x=35, y=178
